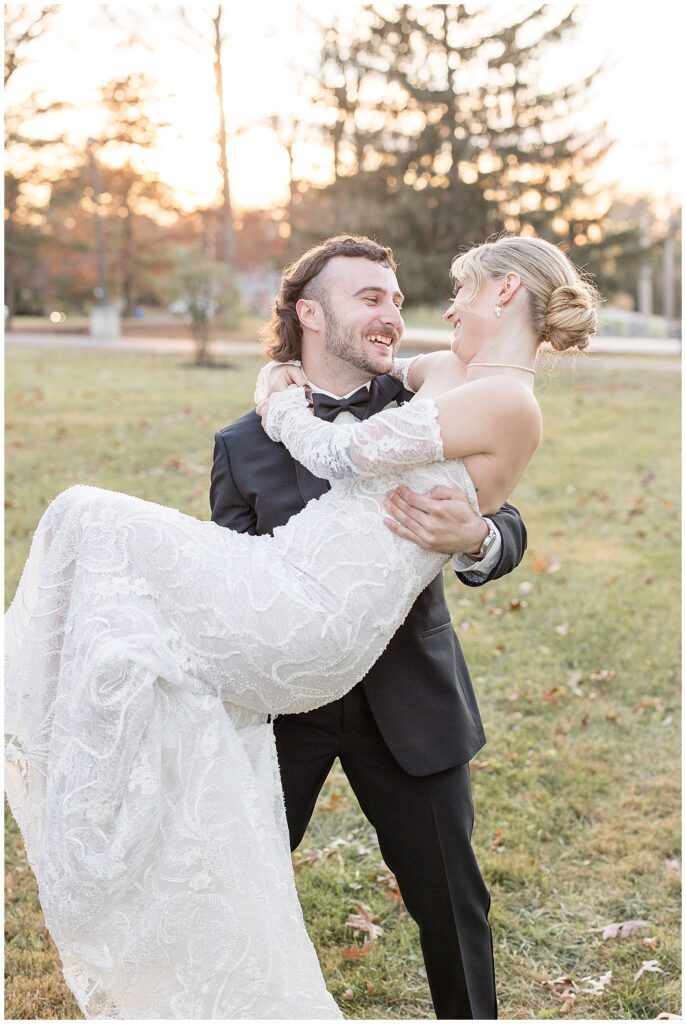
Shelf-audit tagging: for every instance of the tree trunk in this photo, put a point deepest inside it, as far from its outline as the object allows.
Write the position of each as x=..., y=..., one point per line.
x=200, y=330
x=227, y=239
x=128, y=287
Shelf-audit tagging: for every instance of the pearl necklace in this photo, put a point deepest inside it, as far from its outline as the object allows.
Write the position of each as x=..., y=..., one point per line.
x=506, y=366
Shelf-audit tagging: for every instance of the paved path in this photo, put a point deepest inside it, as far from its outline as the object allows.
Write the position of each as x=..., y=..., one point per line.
x=415, y=340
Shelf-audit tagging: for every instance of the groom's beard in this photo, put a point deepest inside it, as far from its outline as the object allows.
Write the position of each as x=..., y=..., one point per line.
x=341, y=344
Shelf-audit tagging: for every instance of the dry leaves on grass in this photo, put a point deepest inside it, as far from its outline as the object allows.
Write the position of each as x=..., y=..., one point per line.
x=498, y=840
x=513, y=605
x=648, y=704
x=594, y=986
x=648, y=967
x=365, y=921
x=392, y=890
x=620, y=930
x=356, y=953
x=573, y=683
x=566, y=989
x=541, y=564
x=602, y=675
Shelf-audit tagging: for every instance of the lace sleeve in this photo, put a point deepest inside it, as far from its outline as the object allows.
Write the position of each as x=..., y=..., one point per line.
x=401, y=370
x=262, y=383
x=391, y=440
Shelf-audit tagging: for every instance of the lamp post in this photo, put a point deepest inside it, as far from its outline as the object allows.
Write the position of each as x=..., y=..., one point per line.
x=104, y=317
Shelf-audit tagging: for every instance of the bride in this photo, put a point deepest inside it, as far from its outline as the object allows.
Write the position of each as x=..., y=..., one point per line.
x=146, y=650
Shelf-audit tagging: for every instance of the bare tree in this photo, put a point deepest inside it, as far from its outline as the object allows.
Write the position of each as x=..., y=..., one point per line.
x=203, y=37
x=228, y=243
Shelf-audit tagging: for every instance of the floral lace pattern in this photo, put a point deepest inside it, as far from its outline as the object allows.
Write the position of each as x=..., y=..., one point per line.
x=391, y=440
x=401, y=371
x=144, y=649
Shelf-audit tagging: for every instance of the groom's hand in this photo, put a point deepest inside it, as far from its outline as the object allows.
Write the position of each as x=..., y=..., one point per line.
x=442, y=520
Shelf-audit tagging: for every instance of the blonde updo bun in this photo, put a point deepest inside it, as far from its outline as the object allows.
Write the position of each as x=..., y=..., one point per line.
x=562, y=302
x=572, y=317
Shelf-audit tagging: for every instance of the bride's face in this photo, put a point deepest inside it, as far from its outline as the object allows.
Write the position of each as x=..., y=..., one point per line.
x=362, y=313
x=472, y=316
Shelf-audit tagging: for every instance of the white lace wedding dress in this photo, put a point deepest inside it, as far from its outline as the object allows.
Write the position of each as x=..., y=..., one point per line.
x=144, y=651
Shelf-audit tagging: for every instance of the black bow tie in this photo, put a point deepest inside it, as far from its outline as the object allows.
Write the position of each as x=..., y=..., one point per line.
x=328, y=408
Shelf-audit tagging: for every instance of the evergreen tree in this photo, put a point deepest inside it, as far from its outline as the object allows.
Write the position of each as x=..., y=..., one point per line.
x=450, y=117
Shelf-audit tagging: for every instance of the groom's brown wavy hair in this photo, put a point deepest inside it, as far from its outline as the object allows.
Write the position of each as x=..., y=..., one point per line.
x=283, y=334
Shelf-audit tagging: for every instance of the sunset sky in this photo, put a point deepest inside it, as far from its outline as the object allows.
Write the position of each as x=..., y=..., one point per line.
x=269, y=41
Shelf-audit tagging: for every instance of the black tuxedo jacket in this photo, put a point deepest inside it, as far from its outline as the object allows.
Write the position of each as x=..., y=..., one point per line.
x=419, y=690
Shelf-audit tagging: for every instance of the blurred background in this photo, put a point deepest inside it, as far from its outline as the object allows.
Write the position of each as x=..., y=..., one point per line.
x=165, y=162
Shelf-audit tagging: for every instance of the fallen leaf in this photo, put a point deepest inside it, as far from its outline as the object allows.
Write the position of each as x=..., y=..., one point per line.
x=673, y=865
x=365, y=921
x=603, y=675
x=554, y=566
x=562, y=629
x=348, y=994
x=620, y=930
x=648, y=967
x=652, y=942
x=307, y=857
x=565, y=990
x=370, y=988
x=356, y=952
x=573, y=683
x=525, y=587
x=551, y=695
x=561, y=984
x=498, y=838
x=594, y=986
x=516, y=605
x=648, y=704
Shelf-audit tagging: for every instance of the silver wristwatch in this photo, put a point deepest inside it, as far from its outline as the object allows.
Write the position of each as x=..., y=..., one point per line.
x=488, y=541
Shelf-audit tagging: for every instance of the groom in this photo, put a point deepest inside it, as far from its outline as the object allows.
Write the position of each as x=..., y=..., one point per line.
x=406, y=732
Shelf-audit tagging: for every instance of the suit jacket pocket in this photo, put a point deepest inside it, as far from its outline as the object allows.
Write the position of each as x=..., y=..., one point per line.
x=436, y=629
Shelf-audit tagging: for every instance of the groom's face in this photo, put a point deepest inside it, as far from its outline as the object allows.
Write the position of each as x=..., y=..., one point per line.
x=361, y=302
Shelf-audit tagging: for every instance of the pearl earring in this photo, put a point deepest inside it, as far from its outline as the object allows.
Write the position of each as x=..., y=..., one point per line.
x=498, y=310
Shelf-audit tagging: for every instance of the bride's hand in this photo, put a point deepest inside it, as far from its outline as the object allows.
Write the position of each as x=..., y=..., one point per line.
x=278, y=404
x=281, y=377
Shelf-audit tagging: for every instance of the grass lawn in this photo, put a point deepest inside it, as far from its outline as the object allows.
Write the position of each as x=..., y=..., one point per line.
x=575, y=660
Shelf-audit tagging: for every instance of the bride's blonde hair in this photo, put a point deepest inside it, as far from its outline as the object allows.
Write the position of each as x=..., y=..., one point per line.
x=563, y=303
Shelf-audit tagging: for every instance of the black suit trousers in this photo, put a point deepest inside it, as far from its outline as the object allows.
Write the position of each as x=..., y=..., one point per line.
x=424, y=826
